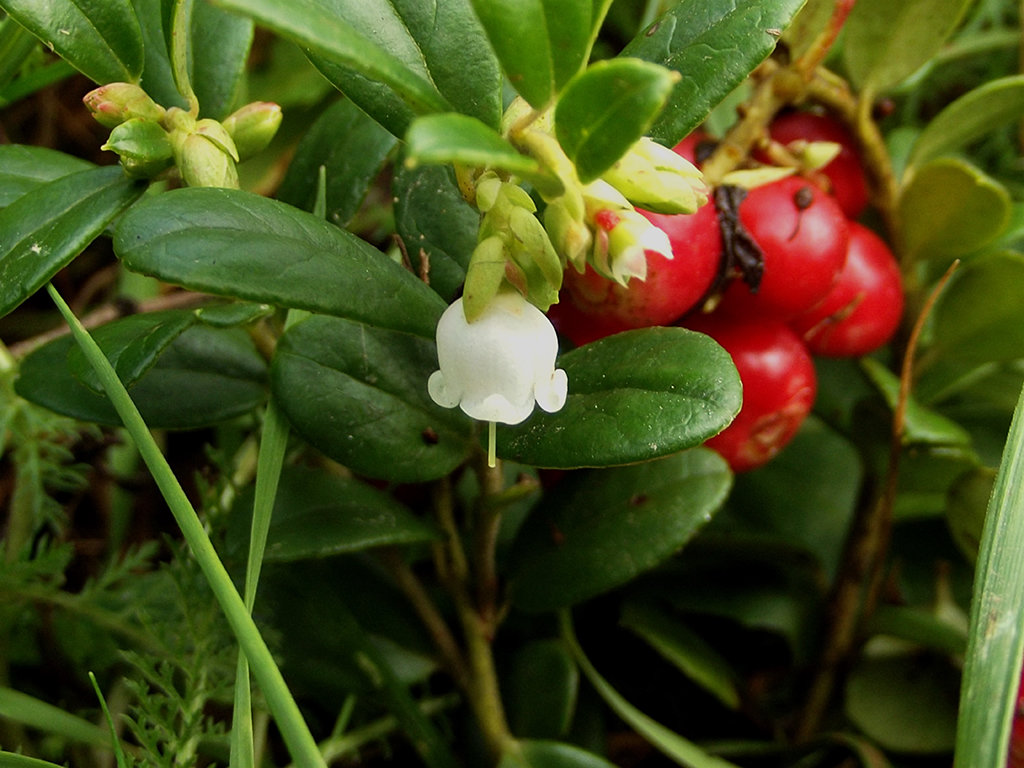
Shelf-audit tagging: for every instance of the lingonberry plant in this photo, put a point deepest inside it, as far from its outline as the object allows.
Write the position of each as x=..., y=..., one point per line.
x=552, y=384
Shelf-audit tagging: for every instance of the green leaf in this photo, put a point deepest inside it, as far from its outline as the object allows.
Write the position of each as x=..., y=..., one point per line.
x=206, y=376
x=919, y=627
x=668, y=742
x=132, y=344
x=633, y=396
x=388, y=57
x=805, y=497
x=906, y=703
x=100, y=38
x=541, y=44
x=550, y=754
x=233, y=243
x=967, y=504
x=973, y=115
x=540, y=690
x=992, y=669
x=607, y=108
x=319, y=515
x=351, y=147
x=44, y=229
x=23, y=168
x=454, y=138
x=684, y=649
x=19, y=707
x=921, y=425
x=219, y=54
x=950, y=208
x=714, y=46
x=980, y=316
x=588, y=536
x=884, y=43
x=436, y=224
x=359, y=394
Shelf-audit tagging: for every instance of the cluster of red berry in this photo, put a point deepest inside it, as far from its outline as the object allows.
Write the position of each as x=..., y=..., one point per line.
x=775, y=275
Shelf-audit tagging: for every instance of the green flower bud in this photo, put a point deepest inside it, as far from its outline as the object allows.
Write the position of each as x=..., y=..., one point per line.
x=115, y=103
x=218, y=134
x=655, y=178
x=204, y=163
x=569, y=234
x=143, y=146
x=253, y=126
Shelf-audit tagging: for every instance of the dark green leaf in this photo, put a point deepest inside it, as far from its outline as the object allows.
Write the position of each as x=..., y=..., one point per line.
x=920, y=627
x=550, y=754
x=16, y=45
x=714, y=46
x=156, y=72
x=454, y=138
x=242, y=245
x=219, y=53
x=436, y=224
x=598, y=530
x=632, y=397
x=44, y=229
x=976, y=113
x=967, y=504
x=905, y=703
x=804, y=497
x=204, y=377
x=542, y=44
x=540, y=690
x=359, y=394
x=132, y=344
x=684, y=649
x=318, y=515
x=100, y=38
x=607, y=108
x=23, y=168
x=230, y=314
x=950, y=208
x=885, y=42
x=351, y=147
x=980, y=316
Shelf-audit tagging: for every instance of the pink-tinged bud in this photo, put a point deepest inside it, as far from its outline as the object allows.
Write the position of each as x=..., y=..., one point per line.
x=253, y=127
x=116, y=103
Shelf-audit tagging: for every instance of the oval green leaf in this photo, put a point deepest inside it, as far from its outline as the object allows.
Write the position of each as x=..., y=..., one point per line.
x=23, y=168
x=359, y=394
x=352, y=149
x=540, y=690
x=436, y=224
x=593, y=533
x=980, y=317
x=102, y=39
x=632, y=397
x=976, y=113
x=206, y=376
x=885, y=42
x=319, y=515
x=950, y=208
x=607, y=108
x=714, y=46
x=541, y=44
x=233, y=243
x=44, y=229
x=132, y=344
x=454, y=138
x=219, y=52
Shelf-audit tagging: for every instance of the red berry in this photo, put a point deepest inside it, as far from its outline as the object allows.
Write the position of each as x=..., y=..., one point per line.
x=690, y=147
x=803, y=236
x=845, y=172
x=1015, y=759
x=592, y=306
x=864, y=308
x=779, y=385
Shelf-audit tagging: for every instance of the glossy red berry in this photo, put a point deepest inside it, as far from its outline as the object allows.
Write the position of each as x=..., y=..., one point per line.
x=591, y=306
x=779, y=386
x=1015, y=758
x=845, y=172
x=803, y=236
x=864, y=308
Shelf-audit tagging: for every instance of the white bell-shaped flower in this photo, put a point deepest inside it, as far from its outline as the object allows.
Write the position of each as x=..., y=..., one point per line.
x=497, y=367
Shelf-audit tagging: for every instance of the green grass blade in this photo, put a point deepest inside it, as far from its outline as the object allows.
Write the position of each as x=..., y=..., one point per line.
x=12, y=760
x=993, y=664
x=119, y=757
x=21, y=708
x=282, y=705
